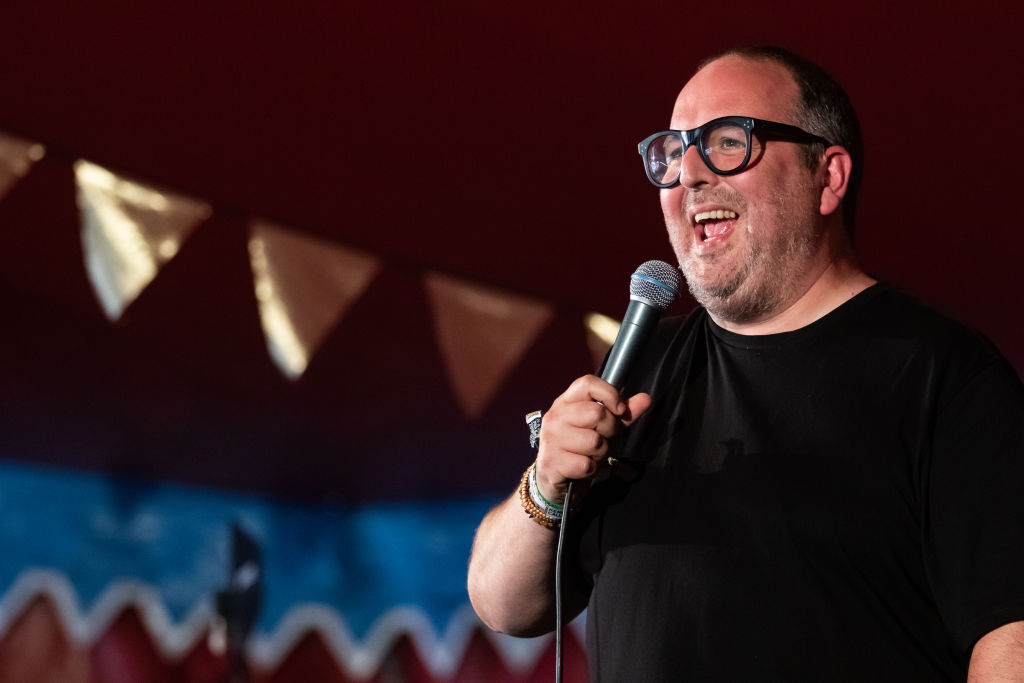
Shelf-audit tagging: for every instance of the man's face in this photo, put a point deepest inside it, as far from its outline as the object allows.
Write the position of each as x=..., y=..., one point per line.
x=745, y=242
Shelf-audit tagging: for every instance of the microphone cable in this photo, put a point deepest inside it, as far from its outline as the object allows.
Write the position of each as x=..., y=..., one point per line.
x=651, y=289
x=559, y=621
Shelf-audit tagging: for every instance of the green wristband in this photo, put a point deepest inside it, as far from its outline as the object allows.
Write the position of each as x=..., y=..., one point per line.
x=535, y=489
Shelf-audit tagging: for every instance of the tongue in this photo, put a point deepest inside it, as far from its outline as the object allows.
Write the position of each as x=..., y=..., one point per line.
x=715, y=228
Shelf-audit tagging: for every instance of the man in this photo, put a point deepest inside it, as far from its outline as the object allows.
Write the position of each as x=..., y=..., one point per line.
x=815, y=478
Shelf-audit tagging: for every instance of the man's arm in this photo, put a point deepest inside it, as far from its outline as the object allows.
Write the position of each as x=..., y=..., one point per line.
x=999, y=656
x=512, y=573
x=512, y=566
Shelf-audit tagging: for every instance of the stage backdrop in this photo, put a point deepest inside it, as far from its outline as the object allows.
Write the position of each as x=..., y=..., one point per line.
x=279, y=283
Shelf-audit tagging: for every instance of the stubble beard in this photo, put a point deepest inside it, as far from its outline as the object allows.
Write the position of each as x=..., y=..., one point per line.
x=768, y=277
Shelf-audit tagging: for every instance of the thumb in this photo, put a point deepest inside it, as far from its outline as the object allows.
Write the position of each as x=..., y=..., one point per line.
x=635, y=407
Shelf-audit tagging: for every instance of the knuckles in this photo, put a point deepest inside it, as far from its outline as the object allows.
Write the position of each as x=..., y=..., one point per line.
x=583, y=383
x=585, y=468
x=574, y=432
x=593, y=413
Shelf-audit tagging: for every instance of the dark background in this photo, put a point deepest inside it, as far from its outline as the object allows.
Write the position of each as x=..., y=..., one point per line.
x=491, y=141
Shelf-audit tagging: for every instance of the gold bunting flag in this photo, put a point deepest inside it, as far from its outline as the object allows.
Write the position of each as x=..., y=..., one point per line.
x=129, y=231
x=482, y=334
x=304, y=287
x=601, y=333
x=16, y=158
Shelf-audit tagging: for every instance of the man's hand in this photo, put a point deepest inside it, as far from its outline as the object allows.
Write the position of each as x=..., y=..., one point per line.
x=575, y=431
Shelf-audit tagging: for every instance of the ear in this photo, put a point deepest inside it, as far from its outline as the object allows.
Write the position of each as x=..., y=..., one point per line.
x=835, y=178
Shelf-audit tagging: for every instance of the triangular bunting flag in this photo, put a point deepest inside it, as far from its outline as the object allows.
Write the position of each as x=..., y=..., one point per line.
x=482, y=334
x=129, y=231
x=16, y=158
x=304, y=286
x=601, y=332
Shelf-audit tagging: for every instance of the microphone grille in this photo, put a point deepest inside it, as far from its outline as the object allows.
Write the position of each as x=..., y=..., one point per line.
x=656, y=283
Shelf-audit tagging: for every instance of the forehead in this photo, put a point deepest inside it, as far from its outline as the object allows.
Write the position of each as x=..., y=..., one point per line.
x=737, y=86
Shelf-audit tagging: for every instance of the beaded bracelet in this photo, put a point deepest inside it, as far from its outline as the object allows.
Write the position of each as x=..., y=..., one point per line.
x=542, y=511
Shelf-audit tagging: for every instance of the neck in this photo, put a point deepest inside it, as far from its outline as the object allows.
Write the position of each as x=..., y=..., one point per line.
x=837, y=280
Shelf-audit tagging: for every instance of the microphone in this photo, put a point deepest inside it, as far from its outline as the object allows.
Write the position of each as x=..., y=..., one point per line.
x=651, y=289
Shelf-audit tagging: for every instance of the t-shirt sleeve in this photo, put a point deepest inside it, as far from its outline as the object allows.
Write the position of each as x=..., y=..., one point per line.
x=973, y=512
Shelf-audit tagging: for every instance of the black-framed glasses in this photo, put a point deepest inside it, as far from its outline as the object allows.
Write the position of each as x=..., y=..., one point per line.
x=726, y=145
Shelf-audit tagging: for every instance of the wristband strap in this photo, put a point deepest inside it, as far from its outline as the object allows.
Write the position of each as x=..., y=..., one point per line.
x=533, y=422
x=546, y=516
x=543, y=503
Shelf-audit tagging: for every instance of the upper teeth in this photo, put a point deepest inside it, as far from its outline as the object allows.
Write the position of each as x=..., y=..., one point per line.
x=708, y=215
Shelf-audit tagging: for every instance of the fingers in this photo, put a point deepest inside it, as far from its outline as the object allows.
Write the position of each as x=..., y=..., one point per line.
x=592, y=388
x=575, y=431
x=586, y=415
x=636, y=406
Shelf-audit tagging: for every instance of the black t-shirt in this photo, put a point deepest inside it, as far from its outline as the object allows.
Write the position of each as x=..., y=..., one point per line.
x=841, y=502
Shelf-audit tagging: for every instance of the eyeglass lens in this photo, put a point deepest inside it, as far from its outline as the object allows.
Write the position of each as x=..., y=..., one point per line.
x=724, y=147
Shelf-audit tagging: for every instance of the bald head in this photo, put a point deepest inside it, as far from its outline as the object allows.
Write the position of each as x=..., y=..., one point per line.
x=819, y=106
x=734, y=85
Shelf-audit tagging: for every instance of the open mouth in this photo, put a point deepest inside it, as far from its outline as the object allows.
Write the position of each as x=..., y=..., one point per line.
x=715, y=223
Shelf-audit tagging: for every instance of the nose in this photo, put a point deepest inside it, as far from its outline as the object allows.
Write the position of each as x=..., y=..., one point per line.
x=693, y=172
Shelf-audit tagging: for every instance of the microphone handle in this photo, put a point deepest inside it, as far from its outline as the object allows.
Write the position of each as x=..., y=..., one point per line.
x=640, y=320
